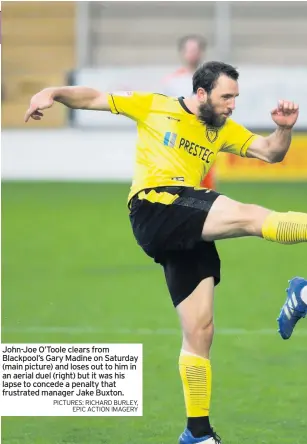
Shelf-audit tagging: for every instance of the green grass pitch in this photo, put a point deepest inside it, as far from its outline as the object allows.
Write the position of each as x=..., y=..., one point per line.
x=72, y=272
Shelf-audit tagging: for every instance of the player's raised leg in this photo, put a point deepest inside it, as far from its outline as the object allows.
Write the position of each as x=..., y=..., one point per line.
x=295, y=307
x=228, y=218
x=196, y=318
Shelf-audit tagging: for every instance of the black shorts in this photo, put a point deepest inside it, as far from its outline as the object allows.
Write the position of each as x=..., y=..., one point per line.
x=170, y=233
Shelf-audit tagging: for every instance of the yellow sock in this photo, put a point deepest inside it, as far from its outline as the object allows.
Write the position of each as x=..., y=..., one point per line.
x=195, y=373
x=285, y=228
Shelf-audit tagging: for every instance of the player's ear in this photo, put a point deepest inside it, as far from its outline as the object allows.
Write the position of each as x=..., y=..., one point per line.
x=202, y=95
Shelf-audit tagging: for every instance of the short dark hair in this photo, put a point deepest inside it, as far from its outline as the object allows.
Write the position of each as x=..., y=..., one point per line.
x=207, y=75
x=198, y=38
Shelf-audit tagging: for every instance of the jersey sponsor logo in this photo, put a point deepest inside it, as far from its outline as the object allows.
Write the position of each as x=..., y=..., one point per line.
x=170, y=139
x=211, y=134
x=196, y=150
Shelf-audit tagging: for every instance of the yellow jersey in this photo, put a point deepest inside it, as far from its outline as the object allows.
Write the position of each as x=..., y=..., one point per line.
x=173, y=148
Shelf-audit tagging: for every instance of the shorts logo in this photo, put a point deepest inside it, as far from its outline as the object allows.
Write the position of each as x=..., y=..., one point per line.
x=170, y=139
x=211, y=134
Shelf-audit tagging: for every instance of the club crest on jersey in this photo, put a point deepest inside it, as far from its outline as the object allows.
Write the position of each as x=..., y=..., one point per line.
x=170, y=139
x=211, y=134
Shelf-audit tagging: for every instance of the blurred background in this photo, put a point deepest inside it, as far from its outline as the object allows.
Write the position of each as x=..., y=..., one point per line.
x=71, y=269
x=135, y=45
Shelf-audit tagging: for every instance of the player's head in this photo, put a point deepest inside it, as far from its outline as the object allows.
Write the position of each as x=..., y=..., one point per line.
x=215, y=84
x=191, y=49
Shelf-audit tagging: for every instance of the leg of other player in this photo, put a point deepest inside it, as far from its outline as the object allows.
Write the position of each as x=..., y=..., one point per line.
x=209, y=180
x=196, y=318
x=228, y=219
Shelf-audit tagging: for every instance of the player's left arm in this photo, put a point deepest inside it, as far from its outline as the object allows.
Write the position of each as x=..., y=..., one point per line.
x=274, y=147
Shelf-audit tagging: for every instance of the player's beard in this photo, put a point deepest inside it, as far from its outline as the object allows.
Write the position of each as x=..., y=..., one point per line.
x=208, y=116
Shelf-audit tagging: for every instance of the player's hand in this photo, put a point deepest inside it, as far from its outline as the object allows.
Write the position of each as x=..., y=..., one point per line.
x=40, y=101
x=286, y=114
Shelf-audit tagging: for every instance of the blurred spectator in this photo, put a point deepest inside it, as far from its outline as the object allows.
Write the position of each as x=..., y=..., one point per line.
x=179, y=83
x=191, y=49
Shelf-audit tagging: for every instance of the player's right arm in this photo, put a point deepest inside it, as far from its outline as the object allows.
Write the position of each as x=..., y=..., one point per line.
x=132, y=104
x=76, y=97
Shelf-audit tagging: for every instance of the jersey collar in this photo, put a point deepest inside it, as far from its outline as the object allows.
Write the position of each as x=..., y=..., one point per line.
x=184, y=106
